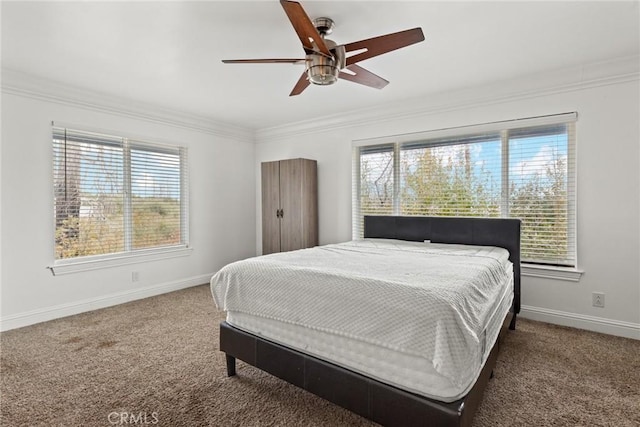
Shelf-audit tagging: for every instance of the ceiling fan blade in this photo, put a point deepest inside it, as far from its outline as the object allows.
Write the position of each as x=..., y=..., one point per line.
x=264, y=61
x=364, y=77
x=305, y=29
x=302, y=84
x=382, y=44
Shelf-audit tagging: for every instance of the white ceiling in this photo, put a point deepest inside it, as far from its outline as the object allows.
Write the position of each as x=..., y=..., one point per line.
x=168, y=53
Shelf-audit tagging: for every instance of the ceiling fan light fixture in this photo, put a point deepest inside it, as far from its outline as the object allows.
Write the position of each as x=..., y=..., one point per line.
x=323, y=74
x=325, y=71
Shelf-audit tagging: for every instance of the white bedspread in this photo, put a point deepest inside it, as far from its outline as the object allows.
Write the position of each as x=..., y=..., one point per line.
x=427, y=300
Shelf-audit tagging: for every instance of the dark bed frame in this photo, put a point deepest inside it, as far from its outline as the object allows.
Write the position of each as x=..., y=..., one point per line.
x=370, y=398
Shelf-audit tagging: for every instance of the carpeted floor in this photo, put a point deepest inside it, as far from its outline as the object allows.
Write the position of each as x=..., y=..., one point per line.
x=156, y=362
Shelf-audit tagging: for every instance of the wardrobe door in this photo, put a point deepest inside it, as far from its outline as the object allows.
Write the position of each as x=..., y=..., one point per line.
x=309, y=204
x=270, y=207
x=291, y=195
x=299, y=204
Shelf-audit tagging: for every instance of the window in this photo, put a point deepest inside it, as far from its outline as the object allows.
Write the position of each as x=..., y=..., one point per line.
x=519, y=169
x=114, y=195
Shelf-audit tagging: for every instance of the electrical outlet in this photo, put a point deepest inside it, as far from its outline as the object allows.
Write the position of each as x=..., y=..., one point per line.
x=135, y=276
x=597, y=299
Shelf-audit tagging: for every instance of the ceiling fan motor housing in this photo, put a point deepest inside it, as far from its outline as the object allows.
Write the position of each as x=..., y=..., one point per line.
x=322, y=70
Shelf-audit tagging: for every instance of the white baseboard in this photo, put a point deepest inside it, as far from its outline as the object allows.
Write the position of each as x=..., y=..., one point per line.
x=581, y=321
x=63, y=310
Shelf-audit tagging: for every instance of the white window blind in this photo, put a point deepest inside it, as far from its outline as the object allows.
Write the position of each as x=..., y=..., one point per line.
x=114, y=195
x=374, y=183
x=507, y=169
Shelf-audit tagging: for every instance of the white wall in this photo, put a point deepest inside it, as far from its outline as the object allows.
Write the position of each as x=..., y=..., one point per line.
x=222, y=207
x=606, y=97
x=225, y=191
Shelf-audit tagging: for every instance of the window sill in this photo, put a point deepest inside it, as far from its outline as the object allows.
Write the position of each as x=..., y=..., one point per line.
x=547, y=272
x=95, y=263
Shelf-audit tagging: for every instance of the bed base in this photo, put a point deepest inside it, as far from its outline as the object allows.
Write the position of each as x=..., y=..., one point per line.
x=372, y=399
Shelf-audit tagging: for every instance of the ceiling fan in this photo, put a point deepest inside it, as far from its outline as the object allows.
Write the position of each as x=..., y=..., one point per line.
x=326, y=61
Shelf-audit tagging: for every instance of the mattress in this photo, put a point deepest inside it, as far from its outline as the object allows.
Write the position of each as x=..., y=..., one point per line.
x=419, y=316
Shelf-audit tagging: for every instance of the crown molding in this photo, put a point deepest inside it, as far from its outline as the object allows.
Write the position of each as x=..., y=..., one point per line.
x=26, y=85
x=619, y=70
x=615, y=71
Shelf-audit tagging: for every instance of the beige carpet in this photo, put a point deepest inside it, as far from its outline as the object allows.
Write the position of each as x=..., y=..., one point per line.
x=158, y=358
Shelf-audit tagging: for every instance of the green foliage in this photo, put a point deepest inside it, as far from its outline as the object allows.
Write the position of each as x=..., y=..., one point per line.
x=99, y=228
x=542, y=205
x=84, y=236
x=156, y=222
x=441, y=182
x=445, y=186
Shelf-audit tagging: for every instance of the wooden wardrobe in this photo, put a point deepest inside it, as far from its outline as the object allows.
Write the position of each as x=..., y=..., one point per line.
x=289, y=205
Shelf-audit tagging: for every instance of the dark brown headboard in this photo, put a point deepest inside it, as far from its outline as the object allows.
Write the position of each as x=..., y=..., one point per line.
x=501, y=232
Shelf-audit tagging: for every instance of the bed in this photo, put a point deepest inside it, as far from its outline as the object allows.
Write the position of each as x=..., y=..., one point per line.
x=364, y=366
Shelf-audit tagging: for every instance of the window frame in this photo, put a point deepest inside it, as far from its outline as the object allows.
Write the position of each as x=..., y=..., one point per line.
x=129, y=255
x=502, y=128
